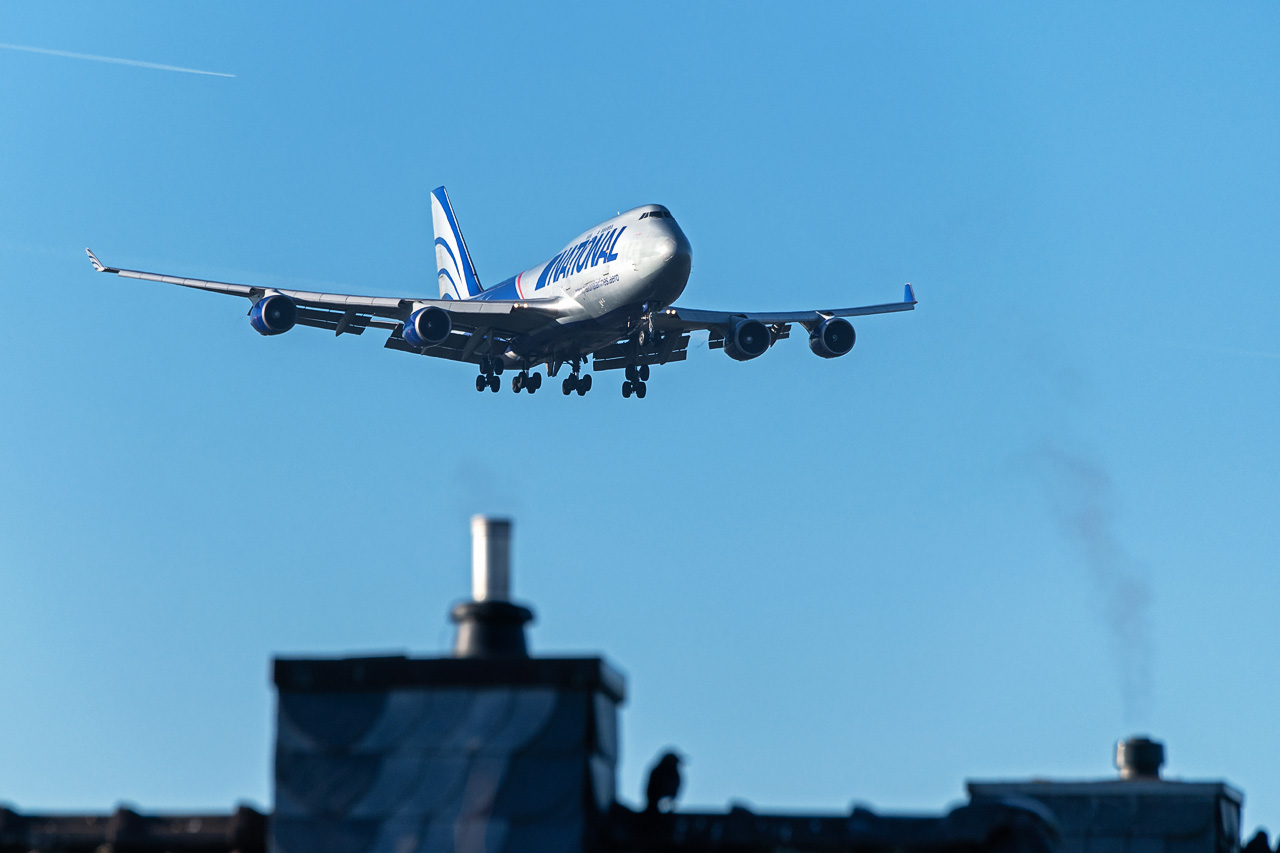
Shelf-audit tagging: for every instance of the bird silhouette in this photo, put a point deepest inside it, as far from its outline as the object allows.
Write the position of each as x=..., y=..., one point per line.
x=664, y=784
x=1259, y=843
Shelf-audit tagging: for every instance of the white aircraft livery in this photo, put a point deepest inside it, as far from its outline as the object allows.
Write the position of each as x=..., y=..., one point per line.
x=607, y=297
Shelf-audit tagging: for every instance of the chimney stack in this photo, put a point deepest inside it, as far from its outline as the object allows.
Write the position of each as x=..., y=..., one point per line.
x=490, y=625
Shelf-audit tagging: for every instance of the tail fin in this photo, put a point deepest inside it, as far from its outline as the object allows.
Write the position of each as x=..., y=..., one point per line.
x=457, y=276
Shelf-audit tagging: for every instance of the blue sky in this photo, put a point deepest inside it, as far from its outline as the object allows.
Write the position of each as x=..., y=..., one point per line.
x=1034, y=516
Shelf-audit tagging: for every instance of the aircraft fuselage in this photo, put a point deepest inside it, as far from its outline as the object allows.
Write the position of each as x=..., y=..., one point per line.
x=605, y=280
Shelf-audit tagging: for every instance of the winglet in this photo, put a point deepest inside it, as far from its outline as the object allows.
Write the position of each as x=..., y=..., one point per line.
x=908, y=296
x=97, y=264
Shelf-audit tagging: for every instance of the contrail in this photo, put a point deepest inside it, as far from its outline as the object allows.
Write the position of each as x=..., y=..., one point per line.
x=114, y=60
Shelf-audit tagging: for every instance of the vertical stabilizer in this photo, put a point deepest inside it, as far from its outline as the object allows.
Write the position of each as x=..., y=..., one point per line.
x=457, y=276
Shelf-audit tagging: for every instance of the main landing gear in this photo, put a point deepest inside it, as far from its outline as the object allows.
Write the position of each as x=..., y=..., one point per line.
x=524, y=380
x=575, y=382
x=490, y=370
x=634, y=383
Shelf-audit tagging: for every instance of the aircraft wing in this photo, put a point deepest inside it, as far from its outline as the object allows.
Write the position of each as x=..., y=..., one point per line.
x=690, y=319
x=351, y=314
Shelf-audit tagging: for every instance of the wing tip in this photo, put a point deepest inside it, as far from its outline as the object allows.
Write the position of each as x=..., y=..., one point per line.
x=99, y=265
x=909, y=294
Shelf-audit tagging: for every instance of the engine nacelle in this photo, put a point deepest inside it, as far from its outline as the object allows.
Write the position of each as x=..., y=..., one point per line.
x=427, y=327
x=273, y=315
x=832, y=338
x=747, y=339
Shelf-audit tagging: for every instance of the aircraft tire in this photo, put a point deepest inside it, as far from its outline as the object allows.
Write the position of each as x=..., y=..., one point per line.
x=535, y=381
x=632, y=376
x=567, y=387
x=494, y=383
x=496, y=364
x=482, y=382
x=644, y=373
x=641, y=390
x=516, y=384
x=626, y=388
x=485, y=367
x=584, y=383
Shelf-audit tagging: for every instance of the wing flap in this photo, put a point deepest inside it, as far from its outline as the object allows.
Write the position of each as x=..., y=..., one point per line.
x=616, y=362
x=342, y=322
x=456, y=347
x=692, y=318
x=674, y=347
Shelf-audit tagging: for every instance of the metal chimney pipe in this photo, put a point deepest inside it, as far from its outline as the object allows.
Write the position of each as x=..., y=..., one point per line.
x=1139, y=757
x=490, y=558
x=490, y=625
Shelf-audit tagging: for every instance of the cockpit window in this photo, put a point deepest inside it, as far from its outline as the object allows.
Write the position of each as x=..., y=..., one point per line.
x=660, y=213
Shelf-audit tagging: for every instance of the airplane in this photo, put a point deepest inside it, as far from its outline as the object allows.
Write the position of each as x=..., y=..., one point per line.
x=607, y=297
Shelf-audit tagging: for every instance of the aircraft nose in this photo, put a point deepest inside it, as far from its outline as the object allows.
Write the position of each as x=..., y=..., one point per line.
x=667, y=248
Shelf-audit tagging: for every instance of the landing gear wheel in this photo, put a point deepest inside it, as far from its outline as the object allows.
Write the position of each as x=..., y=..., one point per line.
x=569, y=385
x=626, y=388
x=641, y=390
x=494, y=384
x=584, y=384
x=644, y=374
x=496, y=364
x=631, y=372
x=535, y=382
x=485, y=367
x=517, y=383
x=482, y=382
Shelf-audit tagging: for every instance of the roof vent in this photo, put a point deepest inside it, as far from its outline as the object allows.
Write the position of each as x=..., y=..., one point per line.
x=1139, y=757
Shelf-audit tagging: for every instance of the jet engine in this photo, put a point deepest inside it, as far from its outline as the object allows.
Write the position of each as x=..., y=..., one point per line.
x=427, y=327
x=273, y=315
x=832, y=338
x=747, y=339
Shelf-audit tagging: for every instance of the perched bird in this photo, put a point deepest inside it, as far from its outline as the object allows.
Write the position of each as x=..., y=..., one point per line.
x=664, y=784
x=1259, y=843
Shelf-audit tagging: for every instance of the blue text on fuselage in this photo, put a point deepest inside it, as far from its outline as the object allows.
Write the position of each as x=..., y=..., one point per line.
x=597, y=249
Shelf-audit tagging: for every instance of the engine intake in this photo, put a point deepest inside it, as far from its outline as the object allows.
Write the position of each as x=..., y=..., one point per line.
x=747, y=339
x=832, y=338
x=427, y=327
x=273, y=315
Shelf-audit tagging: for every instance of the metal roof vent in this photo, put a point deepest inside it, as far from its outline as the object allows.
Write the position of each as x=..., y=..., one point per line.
x=1139, y=757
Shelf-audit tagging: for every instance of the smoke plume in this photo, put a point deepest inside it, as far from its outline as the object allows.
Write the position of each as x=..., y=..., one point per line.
x=1079, y=491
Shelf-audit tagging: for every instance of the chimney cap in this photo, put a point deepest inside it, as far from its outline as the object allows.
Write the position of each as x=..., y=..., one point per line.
x=1139, y=757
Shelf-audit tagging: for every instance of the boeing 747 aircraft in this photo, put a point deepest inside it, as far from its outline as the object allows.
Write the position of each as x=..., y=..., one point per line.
x=607, y=297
